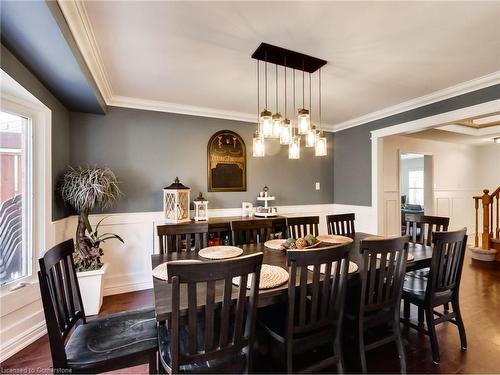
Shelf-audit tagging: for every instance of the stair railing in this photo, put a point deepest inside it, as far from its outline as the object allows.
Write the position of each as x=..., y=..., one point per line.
x=490, y=217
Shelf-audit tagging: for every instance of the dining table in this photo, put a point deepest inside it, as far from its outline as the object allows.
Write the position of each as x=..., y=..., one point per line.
x=421, y=254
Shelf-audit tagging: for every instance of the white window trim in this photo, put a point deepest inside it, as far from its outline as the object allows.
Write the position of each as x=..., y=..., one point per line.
x=12, y=298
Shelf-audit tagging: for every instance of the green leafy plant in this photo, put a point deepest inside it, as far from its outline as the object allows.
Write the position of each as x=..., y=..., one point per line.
x=86, y=188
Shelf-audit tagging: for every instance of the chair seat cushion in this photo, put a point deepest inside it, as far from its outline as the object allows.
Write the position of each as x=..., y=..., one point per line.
x=130, y=335
x=233, y=364
x=415, y=286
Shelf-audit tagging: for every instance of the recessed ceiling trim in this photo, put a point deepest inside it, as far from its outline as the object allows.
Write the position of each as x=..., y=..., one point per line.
x=78, y=21
x=450, y=92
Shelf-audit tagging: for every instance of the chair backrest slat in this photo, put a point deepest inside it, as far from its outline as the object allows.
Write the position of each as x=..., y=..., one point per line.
x=420, y=227
x=301, y=226
x=229, y=318
x=382, y=273
x=447, y=262
x=251, y=231
x=171, y=237
x=316, y=302
x=341, y=224
x=61, y=298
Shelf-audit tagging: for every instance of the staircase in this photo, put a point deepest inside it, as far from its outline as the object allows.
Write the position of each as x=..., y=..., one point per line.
x=487, y=209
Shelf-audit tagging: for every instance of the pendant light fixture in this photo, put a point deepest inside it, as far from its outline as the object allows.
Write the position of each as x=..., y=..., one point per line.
x=311, y=134
x=321, y=145
x=266, y=117
x=294, y=146
x=303, y=120
x=280, y=126
x=286, y=127
x=258, y=144
x=277, y=119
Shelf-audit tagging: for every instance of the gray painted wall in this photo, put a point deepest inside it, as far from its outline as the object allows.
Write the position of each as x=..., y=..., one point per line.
x=352, y=147
x=60, y=121
x=147, y=150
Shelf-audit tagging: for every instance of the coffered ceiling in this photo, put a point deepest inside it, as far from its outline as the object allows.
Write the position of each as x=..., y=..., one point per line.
x=194, y=57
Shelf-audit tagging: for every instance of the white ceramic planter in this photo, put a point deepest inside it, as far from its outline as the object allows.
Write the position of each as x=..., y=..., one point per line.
x=483, y=255
x=91, y=287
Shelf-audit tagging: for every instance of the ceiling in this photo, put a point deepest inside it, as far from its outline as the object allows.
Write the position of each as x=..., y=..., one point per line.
x=196, y=55
x=31, y=31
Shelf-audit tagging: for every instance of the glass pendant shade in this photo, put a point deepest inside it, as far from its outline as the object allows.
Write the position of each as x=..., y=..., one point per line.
x=304, y=122
x=286, y=133
x=259, y=148
x=311, y=137
x=277, y=120
x=321, y=146
x=266, y=123
x=294, y=148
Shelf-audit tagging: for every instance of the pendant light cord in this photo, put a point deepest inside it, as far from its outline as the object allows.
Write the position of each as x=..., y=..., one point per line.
x=319, y=84
x=303, y=85
x=294, y=103
x=258, y=96
x=276, y=80
x=285, y=91
x=265, y=54
x=310, y=95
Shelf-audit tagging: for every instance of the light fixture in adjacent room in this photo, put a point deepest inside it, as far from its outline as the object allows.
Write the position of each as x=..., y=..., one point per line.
x=321, y=148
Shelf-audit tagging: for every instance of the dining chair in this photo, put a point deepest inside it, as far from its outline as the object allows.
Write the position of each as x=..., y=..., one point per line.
x=251, y=231
x=312, y=317
x=341, y=224
x=442, y=286
x=301, y=226
x=382, y=275
x=420, y=227
x=105, y=344
x=172, y=237
x=211, y=339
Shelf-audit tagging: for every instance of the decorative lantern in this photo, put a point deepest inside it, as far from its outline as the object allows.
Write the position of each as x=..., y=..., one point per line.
x=176, y=202
x=200, y=208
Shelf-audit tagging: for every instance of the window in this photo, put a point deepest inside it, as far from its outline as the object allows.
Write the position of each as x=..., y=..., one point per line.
x=416, y=187
x=15, y=197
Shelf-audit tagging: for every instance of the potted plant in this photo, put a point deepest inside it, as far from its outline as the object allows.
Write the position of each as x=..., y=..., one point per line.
x=85, y=189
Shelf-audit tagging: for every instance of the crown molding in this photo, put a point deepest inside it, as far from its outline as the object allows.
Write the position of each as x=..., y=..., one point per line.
x=78, y=21
x=436, y=96
x=161, y=106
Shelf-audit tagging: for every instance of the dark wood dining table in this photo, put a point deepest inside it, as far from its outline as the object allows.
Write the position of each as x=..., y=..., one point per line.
x=162, y=289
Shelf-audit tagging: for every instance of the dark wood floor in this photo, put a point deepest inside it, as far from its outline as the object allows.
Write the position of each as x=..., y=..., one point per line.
x=480, y=302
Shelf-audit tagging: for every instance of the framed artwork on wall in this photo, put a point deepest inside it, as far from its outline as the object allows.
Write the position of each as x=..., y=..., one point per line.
x=227, y=162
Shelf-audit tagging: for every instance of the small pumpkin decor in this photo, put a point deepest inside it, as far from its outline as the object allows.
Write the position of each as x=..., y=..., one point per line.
x=85, y=189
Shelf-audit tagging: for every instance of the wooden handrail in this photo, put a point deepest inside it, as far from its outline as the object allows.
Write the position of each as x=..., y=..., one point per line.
x=490, y=217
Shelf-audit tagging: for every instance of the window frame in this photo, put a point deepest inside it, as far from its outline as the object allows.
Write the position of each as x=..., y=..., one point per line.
x=22, y=291
x=416, y=188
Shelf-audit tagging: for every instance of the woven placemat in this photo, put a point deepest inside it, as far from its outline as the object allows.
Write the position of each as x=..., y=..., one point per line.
x=220, y=252
x=334, y=239
x=160, y=271
x=274, y=244
x=353, y=267
x=270, y=277
x=409, y=257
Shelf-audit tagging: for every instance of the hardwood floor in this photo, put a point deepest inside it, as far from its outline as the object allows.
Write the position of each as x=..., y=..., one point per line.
x=480, y=304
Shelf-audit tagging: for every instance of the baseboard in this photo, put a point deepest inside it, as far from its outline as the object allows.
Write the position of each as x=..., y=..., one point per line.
x=127, y=288
x=23, y=340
